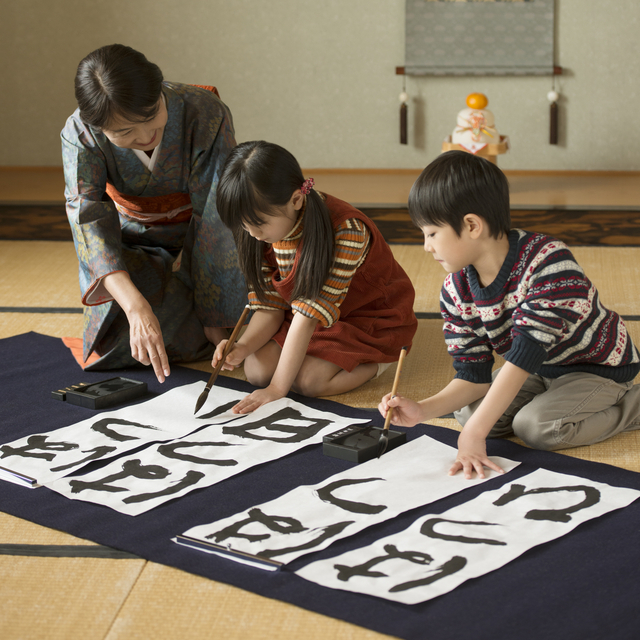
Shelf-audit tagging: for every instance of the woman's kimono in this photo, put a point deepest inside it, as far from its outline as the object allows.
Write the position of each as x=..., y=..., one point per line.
x=180, y=256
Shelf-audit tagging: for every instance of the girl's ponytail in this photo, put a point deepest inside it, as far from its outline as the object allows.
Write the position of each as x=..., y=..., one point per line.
x=317, y=249
x=257, y=177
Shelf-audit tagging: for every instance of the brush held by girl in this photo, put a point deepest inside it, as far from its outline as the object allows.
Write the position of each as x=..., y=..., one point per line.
x=331, y=306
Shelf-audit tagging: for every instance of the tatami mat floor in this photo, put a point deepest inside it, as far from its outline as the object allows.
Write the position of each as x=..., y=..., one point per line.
x=70, y=598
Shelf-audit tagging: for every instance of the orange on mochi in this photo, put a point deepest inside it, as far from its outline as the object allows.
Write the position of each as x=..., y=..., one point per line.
x=477, y=101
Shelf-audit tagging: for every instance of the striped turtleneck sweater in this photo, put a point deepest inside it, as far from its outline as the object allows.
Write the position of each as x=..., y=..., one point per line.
x=541, y=313
x=351, y=240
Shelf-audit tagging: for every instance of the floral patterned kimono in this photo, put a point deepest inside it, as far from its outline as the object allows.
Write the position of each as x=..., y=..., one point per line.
x=155, y=218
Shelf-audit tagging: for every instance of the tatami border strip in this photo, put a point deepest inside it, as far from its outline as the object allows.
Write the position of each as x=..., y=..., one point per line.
x=65, y=551
x=421, y=315
x=40, y=309
x=429, y=315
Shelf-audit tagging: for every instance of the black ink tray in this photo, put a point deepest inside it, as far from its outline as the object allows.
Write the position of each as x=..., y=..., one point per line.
x=359, y=444
x=100, y=395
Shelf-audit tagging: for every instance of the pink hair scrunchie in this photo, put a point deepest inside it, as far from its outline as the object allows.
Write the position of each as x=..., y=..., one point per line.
x=307, y=185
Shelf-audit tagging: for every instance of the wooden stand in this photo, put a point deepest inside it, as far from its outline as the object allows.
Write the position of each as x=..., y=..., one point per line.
x=490, y=152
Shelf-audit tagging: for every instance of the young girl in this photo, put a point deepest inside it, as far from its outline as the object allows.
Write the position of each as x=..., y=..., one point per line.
x=330, y=303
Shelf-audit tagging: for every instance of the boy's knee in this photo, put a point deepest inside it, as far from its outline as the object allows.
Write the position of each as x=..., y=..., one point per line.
x=501, y=429
x=463, y=415
x=535, y=434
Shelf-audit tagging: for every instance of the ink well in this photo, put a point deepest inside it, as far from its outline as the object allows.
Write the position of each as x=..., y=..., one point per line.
x=359, y=444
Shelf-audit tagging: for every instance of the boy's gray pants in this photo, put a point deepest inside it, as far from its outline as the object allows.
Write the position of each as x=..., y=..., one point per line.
x=570, y=411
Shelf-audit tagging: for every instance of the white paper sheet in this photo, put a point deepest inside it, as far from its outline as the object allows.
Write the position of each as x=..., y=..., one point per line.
x=161, y=472
x=439, y=552
x=47, y=456
x=310, y=518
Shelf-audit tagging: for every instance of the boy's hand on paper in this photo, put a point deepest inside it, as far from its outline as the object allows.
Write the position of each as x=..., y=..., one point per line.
x=406, y=413
x=472, y=456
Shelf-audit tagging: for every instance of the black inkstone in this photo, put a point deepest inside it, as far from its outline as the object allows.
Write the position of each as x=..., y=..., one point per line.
x=359, y=444
x=101, y=395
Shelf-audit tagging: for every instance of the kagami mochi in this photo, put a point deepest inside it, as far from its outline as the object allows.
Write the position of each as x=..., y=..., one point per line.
x=475, y=125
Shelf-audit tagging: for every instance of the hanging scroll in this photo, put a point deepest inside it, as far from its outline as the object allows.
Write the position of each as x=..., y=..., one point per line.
x=479, y=37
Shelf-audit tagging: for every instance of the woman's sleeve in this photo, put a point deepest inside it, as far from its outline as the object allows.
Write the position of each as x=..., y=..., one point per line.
x=352, y=240
x=209, y=253
x=94, y=223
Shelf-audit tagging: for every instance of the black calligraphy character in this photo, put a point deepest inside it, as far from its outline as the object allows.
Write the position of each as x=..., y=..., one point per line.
x=95, y=454
x=416, y=557
x=326, y=495
x=38, y=443
x=326, y=533
x=448, y=568
x=101, y=427
x=364, y=569
x=279, y=524
x=428, y=529
x=220, y=410
x=591, y=497
x=278, y=422
x=130, y=468
x=191, y=478
x=169, y=451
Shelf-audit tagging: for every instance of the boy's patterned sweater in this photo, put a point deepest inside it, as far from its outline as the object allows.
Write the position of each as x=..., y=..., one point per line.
x=541, y=313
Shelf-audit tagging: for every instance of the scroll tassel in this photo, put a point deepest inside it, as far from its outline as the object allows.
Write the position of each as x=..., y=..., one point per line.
x=553, y=123
x=403, y=117
x=403, y=123
x=553, y=96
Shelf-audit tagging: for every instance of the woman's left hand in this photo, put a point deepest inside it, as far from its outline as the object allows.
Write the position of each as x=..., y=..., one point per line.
x=256, y=399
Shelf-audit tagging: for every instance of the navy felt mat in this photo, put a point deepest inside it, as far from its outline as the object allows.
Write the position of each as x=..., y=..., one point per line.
x=584, y=585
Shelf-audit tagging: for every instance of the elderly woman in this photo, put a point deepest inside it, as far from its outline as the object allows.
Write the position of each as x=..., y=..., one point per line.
x=142, y=157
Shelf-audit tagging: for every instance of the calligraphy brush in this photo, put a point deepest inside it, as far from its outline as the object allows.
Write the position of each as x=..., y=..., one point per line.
x=384, y=436
x=205, y=394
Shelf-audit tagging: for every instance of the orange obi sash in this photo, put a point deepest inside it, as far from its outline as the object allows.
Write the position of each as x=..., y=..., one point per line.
x=172, y=208
x=208, y=87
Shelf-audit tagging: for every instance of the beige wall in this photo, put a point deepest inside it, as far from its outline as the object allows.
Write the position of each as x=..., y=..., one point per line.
x=318, y=77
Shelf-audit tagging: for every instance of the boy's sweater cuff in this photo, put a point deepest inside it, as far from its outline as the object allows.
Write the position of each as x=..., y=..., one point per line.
x=526, y=353
x=476, y=373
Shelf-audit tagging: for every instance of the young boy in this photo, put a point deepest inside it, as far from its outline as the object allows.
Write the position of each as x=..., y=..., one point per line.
x=570, y=363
